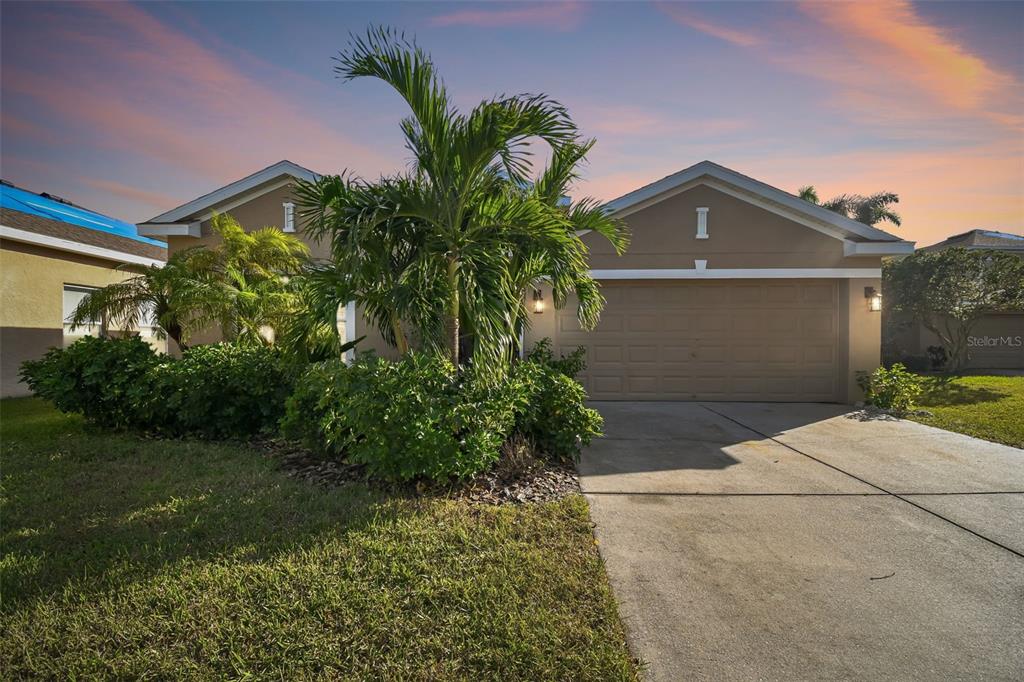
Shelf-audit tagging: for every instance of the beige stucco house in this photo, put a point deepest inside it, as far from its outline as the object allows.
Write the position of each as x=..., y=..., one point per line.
x=731, y=289
x=52, y=254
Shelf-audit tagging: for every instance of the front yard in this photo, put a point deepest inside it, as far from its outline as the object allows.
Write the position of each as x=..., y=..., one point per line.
x=129, y=557
x=984, y=406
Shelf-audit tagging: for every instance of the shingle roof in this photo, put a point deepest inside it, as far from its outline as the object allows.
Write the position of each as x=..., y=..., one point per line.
x=981, y=239
x=28, y=222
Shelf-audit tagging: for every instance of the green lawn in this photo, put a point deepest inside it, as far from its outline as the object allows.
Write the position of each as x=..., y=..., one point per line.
x=126, y=557
x=989, y=407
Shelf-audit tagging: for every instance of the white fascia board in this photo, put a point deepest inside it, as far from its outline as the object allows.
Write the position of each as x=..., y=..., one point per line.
x=626, y=204
x=246, y=198
x=27, y=237
x=228, y=191
x=900, y=248
x=193, y=229
x=739, y=273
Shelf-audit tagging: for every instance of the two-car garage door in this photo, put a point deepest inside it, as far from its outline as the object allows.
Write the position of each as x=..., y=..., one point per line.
x=770, y=339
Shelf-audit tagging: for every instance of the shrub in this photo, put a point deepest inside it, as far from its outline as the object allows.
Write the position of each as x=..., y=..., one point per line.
x=556, y=418
x=938, y=357
x=100, y=378
x=570, y=365
x=893, y=389
x=406, y=419
x=218, y=391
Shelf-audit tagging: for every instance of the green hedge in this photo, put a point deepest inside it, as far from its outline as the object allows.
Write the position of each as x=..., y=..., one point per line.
x=215, y=391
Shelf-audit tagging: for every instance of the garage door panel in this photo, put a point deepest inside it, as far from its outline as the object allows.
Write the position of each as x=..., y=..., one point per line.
x=722, y=340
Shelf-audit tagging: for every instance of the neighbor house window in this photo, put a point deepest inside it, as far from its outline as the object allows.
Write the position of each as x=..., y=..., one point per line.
x=147, y=320
x=702, y=223
x=73, y=295
x=289, y=216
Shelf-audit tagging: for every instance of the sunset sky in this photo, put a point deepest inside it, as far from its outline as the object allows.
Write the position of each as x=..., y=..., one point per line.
x=132, y=109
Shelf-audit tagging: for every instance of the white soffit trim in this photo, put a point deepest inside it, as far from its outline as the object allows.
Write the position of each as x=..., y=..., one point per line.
x=70, y=246
x=705, y=170
x=170, y=229
x=228, y=191
x=739, y=273
x=877, y=248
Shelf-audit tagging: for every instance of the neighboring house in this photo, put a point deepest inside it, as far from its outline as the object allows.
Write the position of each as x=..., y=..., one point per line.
x=52, y=254
x=997, y=340
x=731, y=289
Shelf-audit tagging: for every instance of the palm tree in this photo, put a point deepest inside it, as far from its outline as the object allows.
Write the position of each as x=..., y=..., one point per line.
x=870, y=210
x=250, y=271
x=173, y=295
x=474, y=230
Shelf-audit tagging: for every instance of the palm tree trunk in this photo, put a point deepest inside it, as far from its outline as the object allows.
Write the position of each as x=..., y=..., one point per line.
x=452, y=323
x=400, y=340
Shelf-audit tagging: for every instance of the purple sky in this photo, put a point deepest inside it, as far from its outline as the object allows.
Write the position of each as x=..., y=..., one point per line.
x=132, y=109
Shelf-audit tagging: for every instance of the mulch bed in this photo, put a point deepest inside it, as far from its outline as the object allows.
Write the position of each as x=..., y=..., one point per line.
x=539, y=482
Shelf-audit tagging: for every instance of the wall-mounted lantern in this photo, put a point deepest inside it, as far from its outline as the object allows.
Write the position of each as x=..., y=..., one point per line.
x=874, y=298
x=538, y=302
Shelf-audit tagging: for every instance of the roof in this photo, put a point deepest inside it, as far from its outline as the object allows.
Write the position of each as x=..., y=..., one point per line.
x=981, y=239
x=63, y=211
x=51, y=222
x=768, y=197
x=181, y=220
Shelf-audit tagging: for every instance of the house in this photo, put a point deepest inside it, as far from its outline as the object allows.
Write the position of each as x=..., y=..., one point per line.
x=52, y=254
x=731, y=289
x=997, y=339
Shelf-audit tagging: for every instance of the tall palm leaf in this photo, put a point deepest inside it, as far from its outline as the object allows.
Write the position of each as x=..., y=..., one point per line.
x=870, y=210
x=463, y=199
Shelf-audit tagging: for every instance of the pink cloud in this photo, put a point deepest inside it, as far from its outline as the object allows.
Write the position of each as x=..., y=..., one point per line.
x=142, y=87
x=153, y=200
x=562, y=16
x=691, y=20
x=631, y=120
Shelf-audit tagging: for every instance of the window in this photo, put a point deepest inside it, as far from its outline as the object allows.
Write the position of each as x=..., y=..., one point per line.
x=147, y=320
x=73, y=295
x=289, y=216
x=702, y=223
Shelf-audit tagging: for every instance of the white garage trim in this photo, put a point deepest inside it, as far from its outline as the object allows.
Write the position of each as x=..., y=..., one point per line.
x=740, y=273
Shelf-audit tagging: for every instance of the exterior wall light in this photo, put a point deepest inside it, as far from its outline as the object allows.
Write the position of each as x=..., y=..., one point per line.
x=874, y=298
x=538, y=302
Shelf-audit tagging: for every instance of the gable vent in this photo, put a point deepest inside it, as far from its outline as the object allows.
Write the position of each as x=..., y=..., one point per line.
x=702, y=223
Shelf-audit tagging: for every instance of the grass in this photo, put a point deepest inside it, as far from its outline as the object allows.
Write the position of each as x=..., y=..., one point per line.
x=126, y=557
x=984, y=406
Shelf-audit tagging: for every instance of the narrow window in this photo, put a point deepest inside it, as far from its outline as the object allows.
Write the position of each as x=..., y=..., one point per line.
x=73, y=295
x=289, y=216
x=702, y=223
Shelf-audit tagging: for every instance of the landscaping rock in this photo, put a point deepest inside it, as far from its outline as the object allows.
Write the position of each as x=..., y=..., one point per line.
x=539, y=482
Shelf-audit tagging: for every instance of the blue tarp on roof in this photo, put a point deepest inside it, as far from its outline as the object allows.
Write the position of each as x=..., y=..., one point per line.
x=17, y=199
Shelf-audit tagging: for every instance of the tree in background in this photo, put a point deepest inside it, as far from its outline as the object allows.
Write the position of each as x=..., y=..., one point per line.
x=870, y=210
x=241, y=284
x=949, y=291
x=250, y=272
x=453, y=243
x=176, y=296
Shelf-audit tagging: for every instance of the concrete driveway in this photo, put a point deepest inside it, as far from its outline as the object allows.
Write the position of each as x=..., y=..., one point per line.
x=782, y=541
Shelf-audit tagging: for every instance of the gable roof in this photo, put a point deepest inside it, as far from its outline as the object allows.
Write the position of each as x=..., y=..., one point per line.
x=764, y=195
x=981, y=239
x=47, y=221
x=227, y=192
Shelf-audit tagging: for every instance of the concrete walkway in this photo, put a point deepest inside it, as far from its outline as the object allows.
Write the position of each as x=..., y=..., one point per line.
x=781, y=541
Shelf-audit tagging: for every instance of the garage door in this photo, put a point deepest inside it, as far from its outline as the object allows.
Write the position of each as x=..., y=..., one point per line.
x=773, y=340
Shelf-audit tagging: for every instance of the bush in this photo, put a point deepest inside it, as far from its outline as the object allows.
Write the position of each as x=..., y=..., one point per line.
x=556, y=418
x=570, y=365
x=218, y=391
x=215, y=391
x=406, y=419
x=938, y=357
x=100, y=378
x=893, y=389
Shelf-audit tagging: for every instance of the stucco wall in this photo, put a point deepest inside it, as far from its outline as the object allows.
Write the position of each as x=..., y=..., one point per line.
x=32, y=302
x=740, y=235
